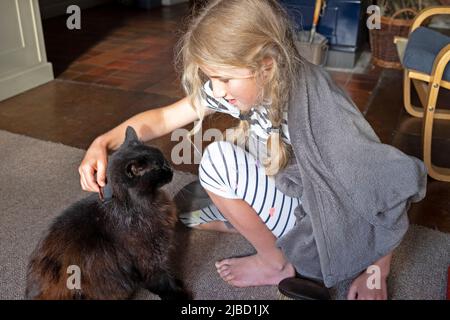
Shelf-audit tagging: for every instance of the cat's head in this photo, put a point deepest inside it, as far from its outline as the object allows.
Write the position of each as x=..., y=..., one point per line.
x=138, y=167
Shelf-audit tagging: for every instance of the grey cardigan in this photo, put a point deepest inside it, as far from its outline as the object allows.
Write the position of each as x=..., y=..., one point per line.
x=355, y=191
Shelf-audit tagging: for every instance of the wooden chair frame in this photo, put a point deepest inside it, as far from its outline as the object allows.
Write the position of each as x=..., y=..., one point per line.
x=427, y=87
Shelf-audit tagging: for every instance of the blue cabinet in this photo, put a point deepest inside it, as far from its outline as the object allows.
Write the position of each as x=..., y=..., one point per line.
x=342, y=22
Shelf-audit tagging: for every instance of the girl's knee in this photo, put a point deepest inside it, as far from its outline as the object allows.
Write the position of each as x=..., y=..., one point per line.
x=218, y=150
x=217, y=162
x=219, y=170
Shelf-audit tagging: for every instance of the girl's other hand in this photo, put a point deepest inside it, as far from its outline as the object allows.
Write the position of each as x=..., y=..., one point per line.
x=359, y=290
x=93, y=167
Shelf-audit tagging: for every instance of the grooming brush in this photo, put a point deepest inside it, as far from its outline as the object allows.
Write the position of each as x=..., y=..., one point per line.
x=300, y=288
x=315, y=20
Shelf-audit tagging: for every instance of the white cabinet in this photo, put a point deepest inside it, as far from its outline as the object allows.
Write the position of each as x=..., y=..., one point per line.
x=23, y=62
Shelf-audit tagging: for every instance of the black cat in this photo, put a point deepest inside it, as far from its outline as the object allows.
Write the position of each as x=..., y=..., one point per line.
x=119, y=243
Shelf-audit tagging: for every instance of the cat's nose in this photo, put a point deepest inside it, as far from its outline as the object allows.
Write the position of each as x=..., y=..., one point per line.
x=166, y=166
x=163, y=165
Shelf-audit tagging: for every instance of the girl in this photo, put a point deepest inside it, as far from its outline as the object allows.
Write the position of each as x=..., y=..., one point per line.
x=239, y=57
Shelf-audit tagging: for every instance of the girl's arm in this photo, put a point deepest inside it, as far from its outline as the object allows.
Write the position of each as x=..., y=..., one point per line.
x=152, y=124
x=385, y=265
x=360, y=289
x=148, y=125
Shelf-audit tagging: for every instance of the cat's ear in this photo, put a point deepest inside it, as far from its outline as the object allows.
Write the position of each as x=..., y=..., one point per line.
x=130, y=135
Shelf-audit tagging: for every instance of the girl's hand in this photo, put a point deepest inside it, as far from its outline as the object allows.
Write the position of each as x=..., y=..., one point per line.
x=360, y=290
x=94, y=161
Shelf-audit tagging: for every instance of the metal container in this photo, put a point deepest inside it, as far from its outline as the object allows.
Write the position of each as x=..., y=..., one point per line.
x=315, y=51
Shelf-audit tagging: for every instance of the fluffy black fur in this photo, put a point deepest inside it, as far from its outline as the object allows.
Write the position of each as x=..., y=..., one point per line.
x=119, y=244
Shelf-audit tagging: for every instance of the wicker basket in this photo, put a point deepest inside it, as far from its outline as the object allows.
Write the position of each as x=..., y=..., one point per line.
x=384, y=52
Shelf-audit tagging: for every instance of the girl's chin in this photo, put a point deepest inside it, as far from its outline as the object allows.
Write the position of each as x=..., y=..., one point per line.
x=243, y=110
x=243, y=107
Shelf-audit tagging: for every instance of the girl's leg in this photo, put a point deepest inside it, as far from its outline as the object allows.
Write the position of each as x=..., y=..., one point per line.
x=245, y=197
x=268, y=266
x=215, y=226
x=232, y=173
x=208, y=218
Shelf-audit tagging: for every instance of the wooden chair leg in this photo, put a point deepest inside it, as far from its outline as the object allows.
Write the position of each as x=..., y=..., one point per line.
x=412, y=110
x=438, y=173
x=422, y=91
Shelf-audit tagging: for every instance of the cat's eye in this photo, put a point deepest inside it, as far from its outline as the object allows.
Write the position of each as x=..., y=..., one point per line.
x=134, y=169
x=129, y=170
x=139, y=168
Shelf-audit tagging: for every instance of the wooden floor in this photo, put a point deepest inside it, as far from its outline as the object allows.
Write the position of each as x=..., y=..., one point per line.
x=121, y=63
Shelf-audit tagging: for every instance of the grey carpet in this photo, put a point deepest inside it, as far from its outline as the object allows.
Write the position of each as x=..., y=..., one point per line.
x=40, y=179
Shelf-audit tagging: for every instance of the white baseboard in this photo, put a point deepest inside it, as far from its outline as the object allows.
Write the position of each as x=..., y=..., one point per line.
x=49, y=10
x=20, y=81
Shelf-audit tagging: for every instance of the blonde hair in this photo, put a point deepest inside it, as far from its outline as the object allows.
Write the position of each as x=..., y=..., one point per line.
x=230, y=34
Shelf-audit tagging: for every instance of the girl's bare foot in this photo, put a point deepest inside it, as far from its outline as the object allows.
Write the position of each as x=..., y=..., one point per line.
x=253, y=271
